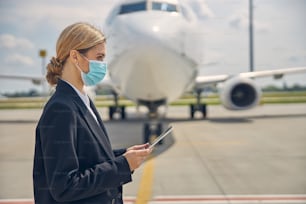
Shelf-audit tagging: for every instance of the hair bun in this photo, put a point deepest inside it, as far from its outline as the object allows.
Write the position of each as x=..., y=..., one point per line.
x=56, y=62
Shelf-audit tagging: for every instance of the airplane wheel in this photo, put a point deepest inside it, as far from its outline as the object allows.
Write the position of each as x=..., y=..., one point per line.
x=159, y=132
x=111, y=111
x=123, y=115
x=204, y=110
x=192, y=111
x=146, y=133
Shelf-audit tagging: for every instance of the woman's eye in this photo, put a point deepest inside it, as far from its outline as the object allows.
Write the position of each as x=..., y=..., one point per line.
x=100, y=58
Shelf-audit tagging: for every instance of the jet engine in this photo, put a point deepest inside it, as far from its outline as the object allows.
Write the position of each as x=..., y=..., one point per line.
x=239, y=93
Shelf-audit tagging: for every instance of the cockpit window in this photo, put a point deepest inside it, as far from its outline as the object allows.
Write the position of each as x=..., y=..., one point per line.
x=147, y=5
x=133, y=7
x=164, y=7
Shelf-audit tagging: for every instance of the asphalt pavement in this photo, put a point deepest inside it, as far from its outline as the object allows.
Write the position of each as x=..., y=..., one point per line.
x=254, y=156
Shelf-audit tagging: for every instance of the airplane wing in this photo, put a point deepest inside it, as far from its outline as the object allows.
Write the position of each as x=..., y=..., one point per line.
x=106, y=84
x=35, y=80
x=202, y=81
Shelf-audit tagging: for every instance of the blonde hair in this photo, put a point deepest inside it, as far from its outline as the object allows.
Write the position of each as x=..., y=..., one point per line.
x=78, y=36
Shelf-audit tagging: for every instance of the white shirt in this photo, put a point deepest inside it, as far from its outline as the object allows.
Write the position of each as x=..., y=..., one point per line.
x=85, y=100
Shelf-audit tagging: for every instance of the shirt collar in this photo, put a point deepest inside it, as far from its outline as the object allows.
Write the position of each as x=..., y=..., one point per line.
x=83, y=96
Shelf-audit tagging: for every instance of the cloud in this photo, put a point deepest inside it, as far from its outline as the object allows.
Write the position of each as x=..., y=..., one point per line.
x=54, y=14
x=10, y=41
x=18, y=59
x=241, y=21
x=297, y=56
x=201, y=9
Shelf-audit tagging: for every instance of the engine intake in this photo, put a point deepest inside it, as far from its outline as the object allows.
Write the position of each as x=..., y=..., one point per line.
x=240, y=94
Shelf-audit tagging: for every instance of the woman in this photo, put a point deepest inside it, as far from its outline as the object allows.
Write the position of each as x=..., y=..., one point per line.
x=73, y=161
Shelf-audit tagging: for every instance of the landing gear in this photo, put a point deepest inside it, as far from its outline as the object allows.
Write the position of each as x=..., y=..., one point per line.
x=116, y=109
x=151, y=131
x=201, y=108
x=198, y=106
x=152, y=128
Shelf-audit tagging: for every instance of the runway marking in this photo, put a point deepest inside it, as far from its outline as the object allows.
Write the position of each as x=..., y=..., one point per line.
x=126, y=200
x=16, y=201
x=233, y=199
x=200, y=199
x=145, y=188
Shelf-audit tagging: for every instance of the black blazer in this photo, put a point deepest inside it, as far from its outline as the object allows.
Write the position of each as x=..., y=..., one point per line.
x=74, y=162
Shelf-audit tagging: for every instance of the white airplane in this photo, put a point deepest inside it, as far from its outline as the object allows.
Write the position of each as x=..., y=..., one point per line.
x=149, y=63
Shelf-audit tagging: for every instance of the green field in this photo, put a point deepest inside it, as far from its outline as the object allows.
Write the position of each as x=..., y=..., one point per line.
x=104, y=101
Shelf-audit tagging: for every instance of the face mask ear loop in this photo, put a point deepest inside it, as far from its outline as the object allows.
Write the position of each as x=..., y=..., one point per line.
x=84, y=58
x=78, y=67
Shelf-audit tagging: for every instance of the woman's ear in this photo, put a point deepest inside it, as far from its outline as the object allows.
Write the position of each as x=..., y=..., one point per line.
x=74, y=56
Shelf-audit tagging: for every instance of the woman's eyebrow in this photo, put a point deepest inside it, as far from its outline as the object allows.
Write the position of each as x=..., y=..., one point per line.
x=100, y=54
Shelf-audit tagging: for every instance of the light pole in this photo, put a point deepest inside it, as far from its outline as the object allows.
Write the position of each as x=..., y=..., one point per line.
x=43, y=54
x=251, y=35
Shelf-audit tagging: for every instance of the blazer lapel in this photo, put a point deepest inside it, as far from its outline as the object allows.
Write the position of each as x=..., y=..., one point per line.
x=98, y=131
x=93, y=107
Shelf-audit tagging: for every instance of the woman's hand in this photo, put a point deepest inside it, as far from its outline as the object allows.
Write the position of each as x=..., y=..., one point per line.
x=138, y=147
x=136, y=155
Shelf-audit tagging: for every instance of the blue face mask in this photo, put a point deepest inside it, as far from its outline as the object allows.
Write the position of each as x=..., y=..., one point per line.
x=97, y=71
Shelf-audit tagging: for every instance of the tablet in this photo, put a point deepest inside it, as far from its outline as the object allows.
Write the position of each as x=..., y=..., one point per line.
x=162, y=136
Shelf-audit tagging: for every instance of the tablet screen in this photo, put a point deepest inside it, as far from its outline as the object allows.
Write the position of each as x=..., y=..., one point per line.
x=162, y=136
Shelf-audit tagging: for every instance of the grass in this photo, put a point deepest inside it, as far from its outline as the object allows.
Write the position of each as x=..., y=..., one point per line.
x=102, y=101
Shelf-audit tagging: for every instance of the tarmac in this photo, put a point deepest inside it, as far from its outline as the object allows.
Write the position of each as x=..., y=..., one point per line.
x=254, y=156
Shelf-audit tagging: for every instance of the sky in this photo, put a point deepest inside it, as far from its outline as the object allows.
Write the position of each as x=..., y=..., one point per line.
x=279, y=35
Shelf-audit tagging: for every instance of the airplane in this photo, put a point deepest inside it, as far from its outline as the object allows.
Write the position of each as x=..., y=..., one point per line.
x=148, y=63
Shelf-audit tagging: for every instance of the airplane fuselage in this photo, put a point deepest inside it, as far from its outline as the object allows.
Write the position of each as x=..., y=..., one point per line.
x=149, y=62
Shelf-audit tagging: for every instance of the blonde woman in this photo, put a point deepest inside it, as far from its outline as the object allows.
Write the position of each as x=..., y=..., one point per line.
x=73, y=161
